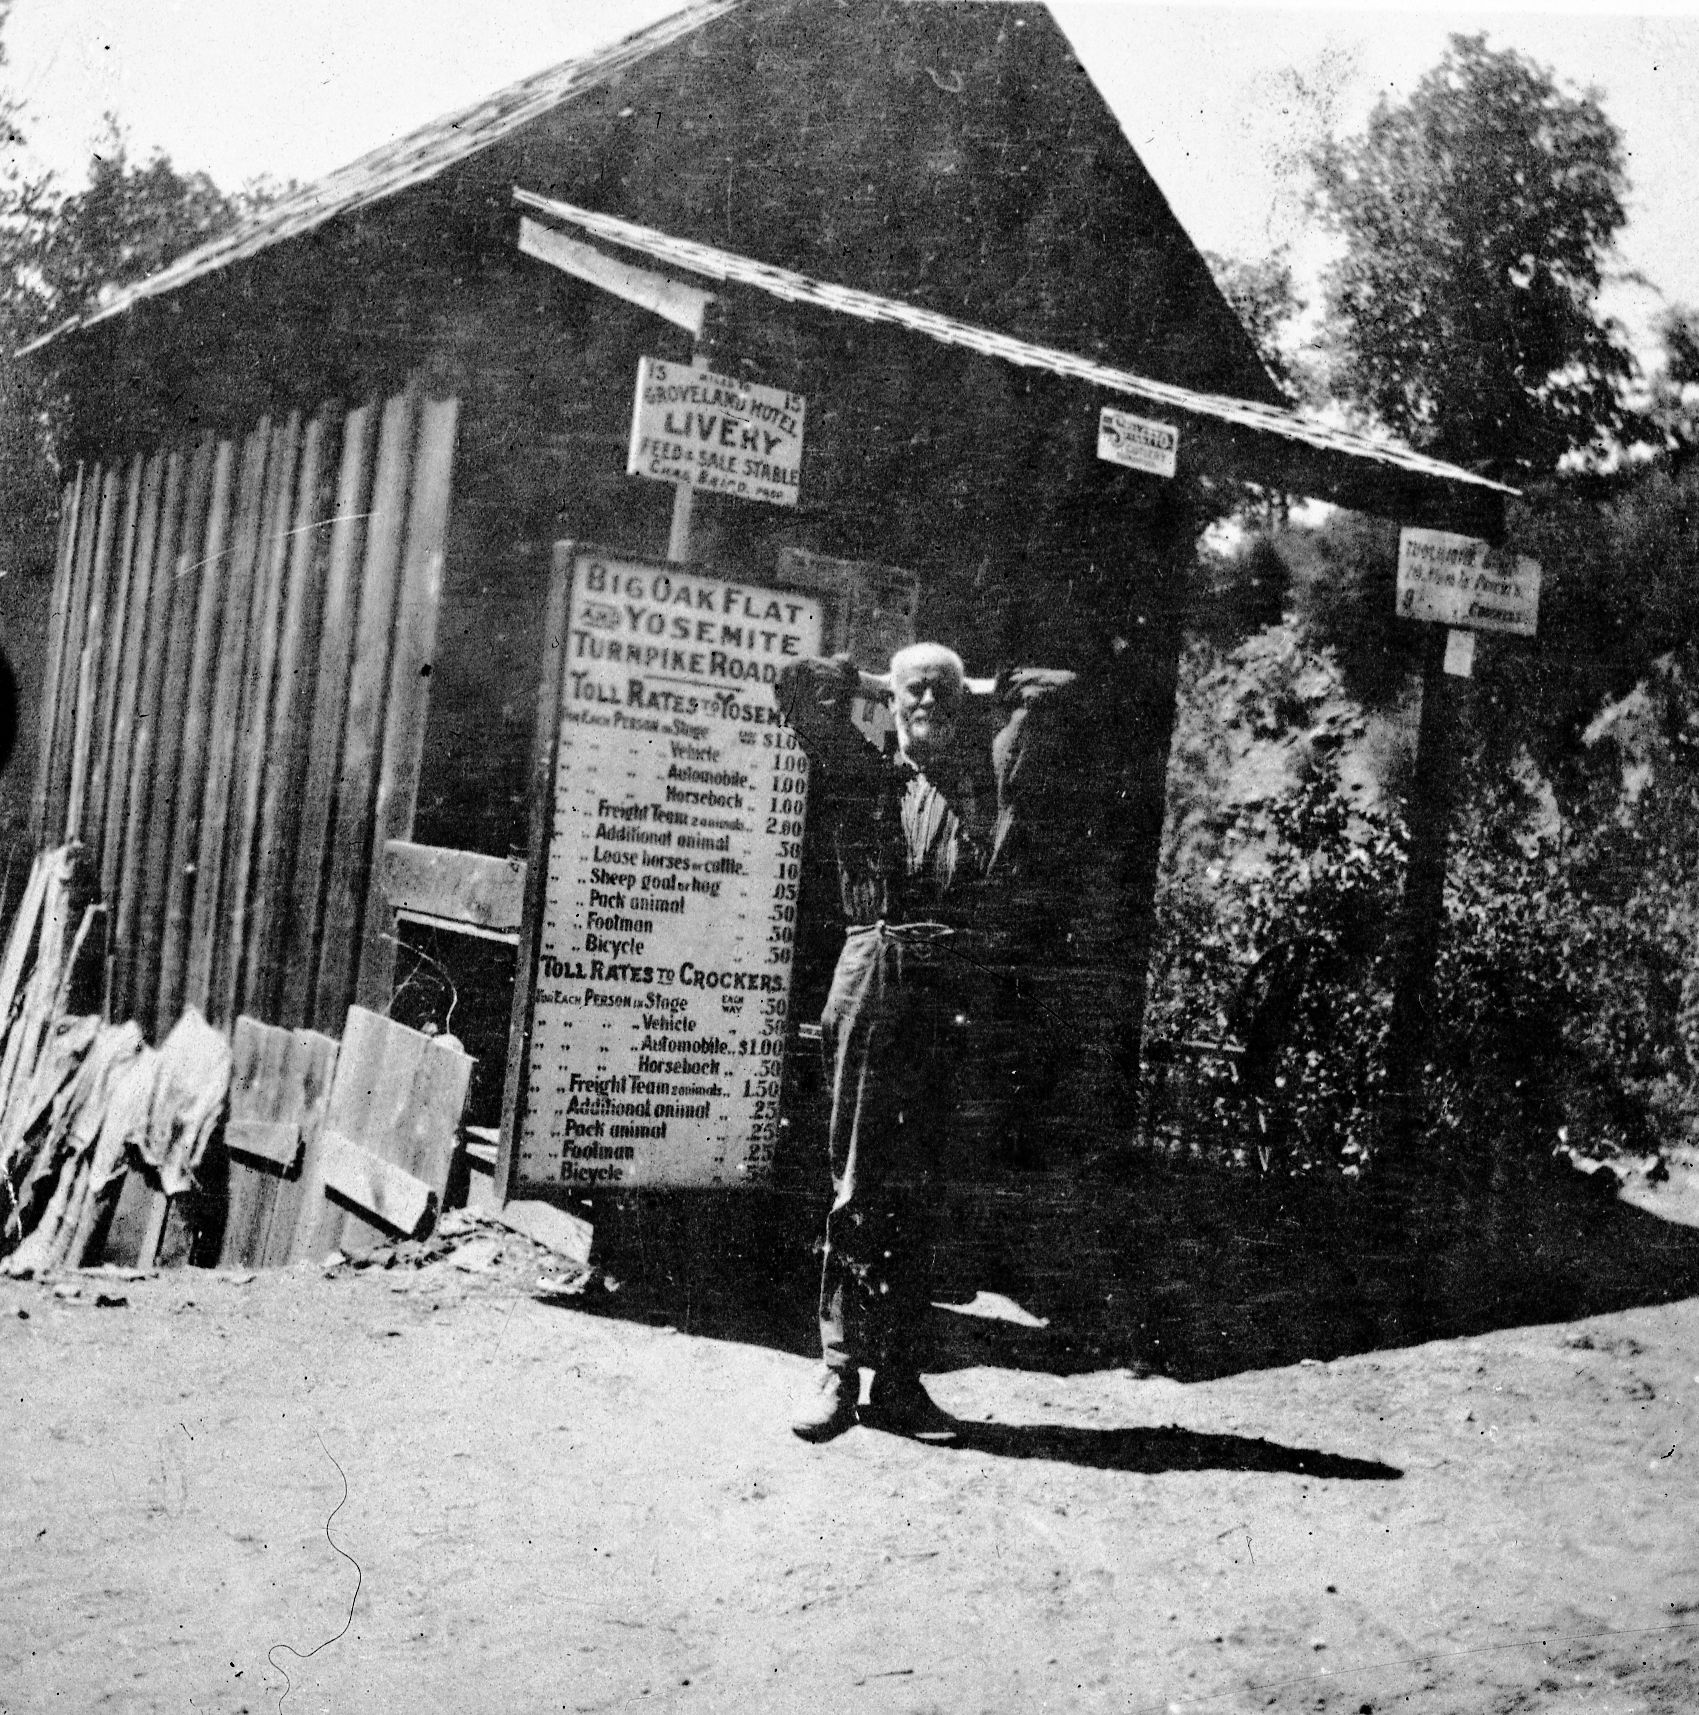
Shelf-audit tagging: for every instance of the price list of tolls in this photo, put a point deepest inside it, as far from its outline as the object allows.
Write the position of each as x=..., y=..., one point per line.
x=674, y=863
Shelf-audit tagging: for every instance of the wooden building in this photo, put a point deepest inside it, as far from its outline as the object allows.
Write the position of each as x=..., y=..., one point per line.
x=321, y=462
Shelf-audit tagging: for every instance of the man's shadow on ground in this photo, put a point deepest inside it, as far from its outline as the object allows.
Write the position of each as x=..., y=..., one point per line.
x=1197, y=1273
x=1151, y=1452
x=1175, y=1269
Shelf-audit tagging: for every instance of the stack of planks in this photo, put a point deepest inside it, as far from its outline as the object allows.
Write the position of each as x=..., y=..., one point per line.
x=337, y=1146
x=328, y=1146
x=83, y=1102
x=239, y=653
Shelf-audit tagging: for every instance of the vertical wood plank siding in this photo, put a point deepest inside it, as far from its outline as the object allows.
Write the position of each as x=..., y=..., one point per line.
x=125, y=677
x=87, y=603
x=64, y=572
x=126, y=889
x=186, y=567
x=330, y=701
x=232, y=667
x=272, y=564
x=286, y=750
x=233, y=711
x=368, y=683
x=409, y=687
x=108, y=664
x=191, y=759
x=64, y=687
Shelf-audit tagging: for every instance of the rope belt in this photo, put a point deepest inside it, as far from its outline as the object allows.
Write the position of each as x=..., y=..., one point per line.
x=915, y=932
x=920, y=944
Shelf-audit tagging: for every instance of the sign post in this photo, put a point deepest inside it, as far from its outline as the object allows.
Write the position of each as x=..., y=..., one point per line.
x=698, y=429
x=1423, y=909
x=654, y=982
x=1466, y=586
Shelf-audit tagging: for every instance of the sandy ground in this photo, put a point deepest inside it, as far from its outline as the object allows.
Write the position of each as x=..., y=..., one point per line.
x=427, y=1488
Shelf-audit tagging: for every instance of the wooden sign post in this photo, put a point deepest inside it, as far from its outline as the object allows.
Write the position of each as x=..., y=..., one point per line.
x=659, y=922
x=1423, y=910
x=1460, y=586
x=698, y=429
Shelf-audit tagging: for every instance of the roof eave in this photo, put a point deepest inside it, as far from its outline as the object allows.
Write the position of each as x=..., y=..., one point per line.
x=1271, y=445
x=410, y=160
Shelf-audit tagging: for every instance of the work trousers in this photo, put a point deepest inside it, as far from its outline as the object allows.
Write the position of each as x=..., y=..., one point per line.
x=891, y=1035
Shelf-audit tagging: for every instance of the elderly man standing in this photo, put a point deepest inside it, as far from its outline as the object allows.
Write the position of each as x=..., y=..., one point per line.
x=926, y=845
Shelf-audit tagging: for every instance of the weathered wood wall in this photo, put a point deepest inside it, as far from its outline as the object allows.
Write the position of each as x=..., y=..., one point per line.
x=239, y=656
x=954, y=157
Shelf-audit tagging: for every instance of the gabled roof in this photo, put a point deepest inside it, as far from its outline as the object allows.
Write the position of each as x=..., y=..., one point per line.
x=410, y=160
x=1341, y=465
x=1012, y=195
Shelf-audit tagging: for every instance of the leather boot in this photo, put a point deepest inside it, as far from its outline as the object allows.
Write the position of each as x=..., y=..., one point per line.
x=897, y=1401
x=831, y=1409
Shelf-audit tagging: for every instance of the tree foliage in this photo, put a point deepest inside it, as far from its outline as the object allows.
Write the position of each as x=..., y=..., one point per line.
x=1678, y=329
x=1566, y=1012
x=1673, y=386
x=60, y=249
x=1265, y=298
x=128, y=221
x=1476, y=218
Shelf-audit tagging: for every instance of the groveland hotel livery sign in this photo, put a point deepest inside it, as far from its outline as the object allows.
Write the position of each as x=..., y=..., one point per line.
x=669, y=908
x=708, y=431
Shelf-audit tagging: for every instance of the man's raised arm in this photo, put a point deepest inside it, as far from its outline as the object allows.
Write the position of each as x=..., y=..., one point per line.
x=814, y=698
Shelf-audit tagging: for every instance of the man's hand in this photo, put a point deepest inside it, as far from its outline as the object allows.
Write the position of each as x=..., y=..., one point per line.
x=820, y=683
x=1023, y=687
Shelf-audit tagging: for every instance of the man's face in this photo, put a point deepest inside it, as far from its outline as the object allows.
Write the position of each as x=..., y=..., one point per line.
x=926, y=701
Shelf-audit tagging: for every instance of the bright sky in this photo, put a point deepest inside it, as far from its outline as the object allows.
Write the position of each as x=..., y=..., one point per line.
x=1216, y=99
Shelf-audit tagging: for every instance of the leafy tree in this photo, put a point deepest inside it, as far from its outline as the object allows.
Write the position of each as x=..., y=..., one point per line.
x=1476, y=219
x=129, y=221
x=1266, y=301
x=1674, y=386
x=1566, y=1010
x=58, y=250
x=1679, y=331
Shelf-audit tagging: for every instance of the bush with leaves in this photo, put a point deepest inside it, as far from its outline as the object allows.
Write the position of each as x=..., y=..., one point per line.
x=1565, y=999
x=1629, y=848
x=1282, y=951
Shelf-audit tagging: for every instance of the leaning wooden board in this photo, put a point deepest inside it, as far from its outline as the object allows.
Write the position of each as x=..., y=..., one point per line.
x=279, y=1088
x=395, y=1104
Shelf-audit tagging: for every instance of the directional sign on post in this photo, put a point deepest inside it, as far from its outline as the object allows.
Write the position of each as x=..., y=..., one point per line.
x=1461, y=581
x=711, y=432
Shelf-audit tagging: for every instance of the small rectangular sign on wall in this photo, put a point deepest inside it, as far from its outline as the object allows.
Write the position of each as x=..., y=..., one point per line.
x=1139, y=443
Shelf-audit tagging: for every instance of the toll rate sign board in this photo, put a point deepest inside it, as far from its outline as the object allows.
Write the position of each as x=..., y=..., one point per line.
x=664, y=928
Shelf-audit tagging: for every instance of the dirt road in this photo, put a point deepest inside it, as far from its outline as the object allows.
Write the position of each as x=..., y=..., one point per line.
x=554, y=1507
